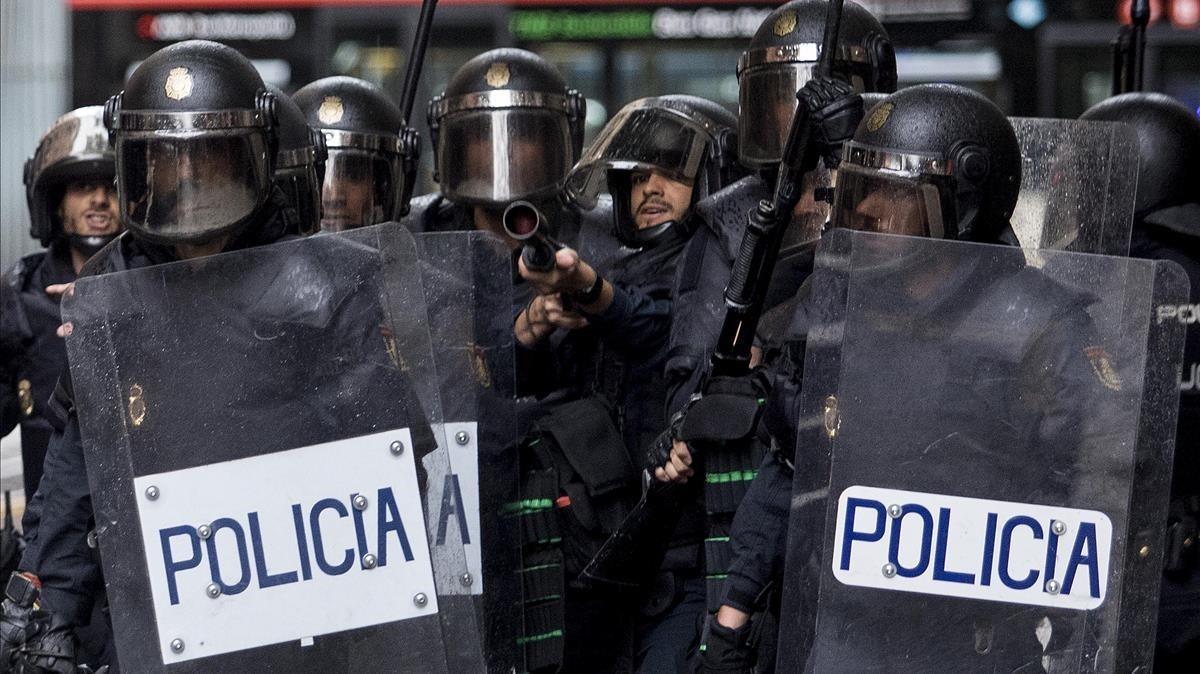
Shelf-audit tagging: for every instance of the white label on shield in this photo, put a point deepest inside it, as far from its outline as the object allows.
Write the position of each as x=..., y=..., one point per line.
x=280, y=547
x=972, y=548
x=454, y=504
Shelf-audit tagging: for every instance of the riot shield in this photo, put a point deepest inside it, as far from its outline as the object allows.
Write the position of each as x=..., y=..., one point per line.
x=983, y=459
x=257, y=432
x=1078, y=181
x=468, y=279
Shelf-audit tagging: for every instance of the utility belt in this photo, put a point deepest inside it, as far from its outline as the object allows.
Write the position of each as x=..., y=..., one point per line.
x=577, y=485
x=1183, y=535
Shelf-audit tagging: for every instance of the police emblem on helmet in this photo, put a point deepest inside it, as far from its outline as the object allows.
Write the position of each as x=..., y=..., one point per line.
x=1103, y=367
x=497, y=75
x=179, y=84
x=331, y=110
x=785, y=24
x=879, y=117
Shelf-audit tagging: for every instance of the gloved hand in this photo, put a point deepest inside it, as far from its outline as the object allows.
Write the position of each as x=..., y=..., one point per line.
x=728, y=410
x=835, y=111
x=50, y=648
x=16, y=617
x=723, y=649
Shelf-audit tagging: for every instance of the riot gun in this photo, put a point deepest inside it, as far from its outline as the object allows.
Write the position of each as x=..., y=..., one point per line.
x=1129, y=50
x=630, y=557
x=523, y=222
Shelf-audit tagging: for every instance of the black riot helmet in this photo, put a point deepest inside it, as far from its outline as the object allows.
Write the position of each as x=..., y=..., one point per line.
x=685, y=138
x=1169, y=139
x=781, y=58
x=194, y=134
x=74, y=148
x=506, y=128
x=934, y=160
x=372, y=156
x=299, y=163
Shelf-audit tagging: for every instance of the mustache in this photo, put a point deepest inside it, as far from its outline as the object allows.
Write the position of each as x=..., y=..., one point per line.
x=653, y=201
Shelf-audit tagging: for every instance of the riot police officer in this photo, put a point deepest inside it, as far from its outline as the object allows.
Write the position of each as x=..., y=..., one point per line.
x=299, y=163
x=195, y=131
x=507, y=128
x=1167, y=227
x=778, y=61
x=960, y=172
x=372, y=157
x=658, y=156
x=73, y=211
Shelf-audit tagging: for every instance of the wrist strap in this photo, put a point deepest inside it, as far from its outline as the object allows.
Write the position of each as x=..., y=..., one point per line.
x=592, y=294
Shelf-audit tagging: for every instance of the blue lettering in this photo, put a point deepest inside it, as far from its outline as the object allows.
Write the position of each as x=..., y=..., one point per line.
x=265, y=579
x=939, y=562
x=989, y=550
x=452, y=504
x=1051, y=551
x=360, y=534
x=1005, y=546
x=314, y=521
x=301, y=542
x=849, y=535
x=1086, y=538
x=214, y=566
x=926, y=541
x=169, y=562
x=389, y=520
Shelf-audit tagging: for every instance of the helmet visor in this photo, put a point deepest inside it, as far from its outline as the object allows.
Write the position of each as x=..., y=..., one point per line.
x=190, y=187
x=642, y=139
x=767, y=100
x=873, y=201
x=359, y=189
x=499, y=156
x=302, y=190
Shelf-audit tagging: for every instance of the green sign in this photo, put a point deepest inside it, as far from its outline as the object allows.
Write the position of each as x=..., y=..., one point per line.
x=538, y=25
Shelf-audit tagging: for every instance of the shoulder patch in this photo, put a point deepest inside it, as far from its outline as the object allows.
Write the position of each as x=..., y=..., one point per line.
x=1103, y=367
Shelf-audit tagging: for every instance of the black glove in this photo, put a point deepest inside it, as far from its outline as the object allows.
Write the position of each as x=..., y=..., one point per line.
x=51, y=647
x=723, y=649
x=834, y=113
x=16, y=618
x=728, y=411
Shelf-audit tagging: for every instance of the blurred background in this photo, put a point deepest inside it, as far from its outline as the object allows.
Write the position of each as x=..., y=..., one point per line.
x=1033, y=57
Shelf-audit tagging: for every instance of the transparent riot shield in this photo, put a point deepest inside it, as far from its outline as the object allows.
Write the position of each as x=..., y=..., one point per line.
x=468, y=282
x=1078, y=181
x=983, y=459
x=257, y=432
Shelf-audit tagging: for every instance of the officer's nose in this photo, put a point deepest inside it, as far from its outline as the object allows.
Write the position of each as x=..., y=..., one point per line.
x=653, y=184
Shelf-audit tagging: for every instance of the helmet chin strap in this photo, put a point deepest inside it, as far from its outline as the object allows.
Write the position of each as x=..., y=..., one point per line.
x=89, y=245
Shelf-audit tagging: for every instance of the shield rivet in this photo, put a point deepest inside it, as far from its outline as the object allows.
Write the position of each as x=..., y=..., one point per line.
x=204, y=531
x=1144, y=552
x=176, y=645
x=466, y=580
x=889, y=570
x=213, y=590
x=93, y=540
x=360, y=502
x=895, y=511
x=420, y=600
x=397, y=447
x=369, y=561
x=152, y=494
x=1188, y=542
x=1052, y=586
x=1059, y=527
x=462, y=437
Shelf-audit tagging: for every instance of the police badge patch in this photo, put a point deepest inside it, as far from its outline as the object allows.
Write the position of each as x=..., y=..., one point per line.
x=1103, y=367
x=179, y=84
x=879, y=117
x=785, y=24
x=331, y=110
x=497, y=75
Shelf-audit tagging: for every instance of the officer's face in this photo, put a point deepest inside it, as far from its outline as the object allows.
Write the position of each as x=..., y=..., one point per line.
x=654, y=199
x=89, y=208
x=890, y=211
x=346, y=202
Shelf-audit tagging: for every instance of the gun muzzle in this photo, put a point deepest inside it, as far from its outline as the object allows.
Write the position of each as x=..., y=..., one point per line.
x=522, y=220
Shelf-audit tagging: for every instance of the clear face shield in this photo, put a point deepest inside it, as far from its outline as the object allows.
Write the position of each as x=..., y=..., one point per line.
x=493, y=155
x=297, y=177
x=642, y=138
x=190, y=185
x=873, y=200
x=360, y=188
